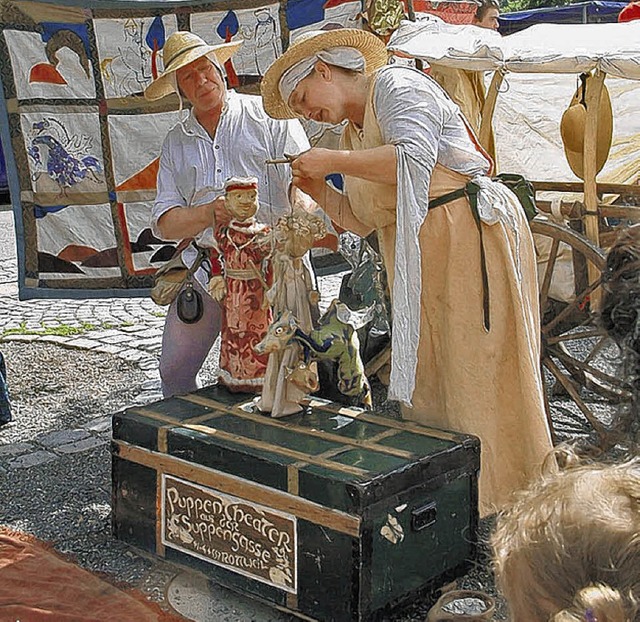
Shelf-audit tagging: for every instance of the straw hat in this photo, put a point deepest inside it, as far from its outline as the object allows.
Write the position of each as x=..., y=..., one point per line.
x=572, y=127
x=309, y=44
x=180, y=49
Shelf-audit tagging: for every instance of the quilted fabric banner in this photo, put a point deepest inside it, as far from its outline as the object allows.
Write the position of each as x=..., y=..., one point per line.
x=82, y=143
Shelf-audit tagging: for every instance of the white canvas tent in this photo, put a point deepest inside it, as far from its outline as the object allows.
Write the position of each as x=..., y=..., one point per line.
x=540, y=65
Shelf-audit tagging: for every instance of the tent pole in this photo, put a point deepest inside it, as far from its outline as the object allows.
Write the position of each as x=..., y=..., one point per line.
x=489, y=107
x=591, y=218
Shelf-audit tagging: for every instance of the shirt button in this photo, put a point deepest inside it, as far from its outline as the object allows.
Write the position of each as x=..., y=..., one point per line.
x=219, y=170
x=217, y=147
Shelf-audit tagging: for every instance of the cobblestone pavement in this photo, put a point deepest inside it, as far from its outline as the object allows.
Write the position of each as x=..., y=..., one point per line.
x=130, y=328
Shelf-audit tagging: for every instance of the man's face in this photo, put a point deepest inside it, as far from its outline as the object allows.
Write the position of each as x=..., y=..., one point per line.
x=490, y=19
x=242, y=203
x=202, y=84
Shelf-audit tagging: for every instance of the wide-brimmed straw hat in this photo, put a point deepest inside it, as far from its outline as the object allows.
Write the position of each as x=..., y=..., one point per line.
x=180, y=49
x=572, y=126
x=308, y=44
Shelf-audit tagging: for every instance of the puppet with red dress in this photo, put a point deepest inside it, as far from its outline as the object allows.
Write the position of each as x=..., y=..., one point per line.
x=240, y=277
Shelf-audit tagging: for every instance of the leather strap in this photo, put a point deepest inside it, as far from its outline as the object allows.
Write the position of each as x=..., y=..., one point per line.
x=471, y=192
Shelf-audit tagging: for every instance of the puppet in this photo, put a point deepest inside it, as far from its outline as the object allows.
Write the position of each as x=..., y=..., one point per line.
x=335, y=339
x=240, y=278
x=293, y=291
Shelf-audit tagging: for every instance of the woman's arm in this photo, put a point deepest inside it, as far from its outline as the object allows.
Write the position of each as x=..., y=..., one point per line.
x=335, y=204
x=377, y=164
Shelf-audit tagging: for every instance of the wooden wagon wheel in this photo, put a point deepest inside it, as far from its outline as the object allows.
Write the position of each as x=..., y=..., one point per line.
x=579, y=360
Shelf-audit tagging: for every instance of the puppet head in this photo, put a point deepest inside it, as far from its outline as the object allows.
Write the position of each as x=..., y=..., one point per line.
x=241, y=197
x=297, y=232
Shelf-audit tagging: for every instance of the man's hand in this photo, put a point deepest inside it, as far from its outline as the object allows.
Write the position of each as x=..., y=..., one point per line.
x=187, y=222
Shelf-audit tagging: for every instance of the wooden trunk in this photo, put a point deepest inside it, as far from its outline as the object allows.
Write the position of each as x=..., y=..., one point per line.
x=335, y=514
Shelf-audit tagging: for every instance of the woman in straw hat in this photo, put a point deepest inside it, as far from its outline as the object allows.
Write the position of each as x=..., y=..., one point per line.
x=465, y=302
x=226, y=134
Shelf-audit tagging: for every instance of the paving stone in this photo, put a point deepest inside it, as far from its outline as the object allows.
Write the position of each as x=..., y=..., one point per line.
x=31, y=460
x=151, y=384
x=131, y=355
x=99, y=425
x=149, y=333
x=147, y=397
x=100, y=335
x=24, y=338
x=149, y=363
x=54, y=339
x=13, y=449
x=109, y=348
x=133, y=328
x=83, y=344
x=147, y=344
x=84, y=445
x=118, y=339
x=61, y=437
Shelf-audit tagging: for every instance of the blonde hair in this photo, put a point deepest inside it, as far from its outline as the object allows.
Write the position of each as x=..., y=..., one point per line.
x=569, y=548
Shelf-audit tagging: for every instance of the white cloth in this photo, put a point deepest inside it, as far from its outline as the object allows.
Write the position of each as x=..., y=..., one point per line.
x=194, y=167
x=417, y=116
x=345, y=57
x=496, y=204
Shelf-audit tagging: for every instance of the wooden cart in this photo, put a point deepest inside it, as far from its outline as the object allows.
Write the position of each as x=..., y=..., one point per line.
x=579, y=360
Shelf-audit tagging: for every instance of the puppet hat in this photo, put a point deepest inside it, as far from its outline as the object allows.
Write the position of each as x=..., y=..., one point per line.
x=241, y=183
x=309, y=44
x=572, y=126
x=180, y=49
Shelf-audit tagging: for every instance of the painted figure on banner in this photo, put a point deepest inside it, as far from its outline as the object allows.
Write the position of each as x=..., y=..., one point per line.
x=130, y=53
x=293, y=291
x=266, y=35
x=61, y=68
x=240, y=277
x=61, y=160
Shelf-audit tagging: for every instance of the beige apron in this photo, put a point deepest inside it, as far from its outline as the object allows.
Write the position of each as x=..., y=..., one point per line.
x=467, y=379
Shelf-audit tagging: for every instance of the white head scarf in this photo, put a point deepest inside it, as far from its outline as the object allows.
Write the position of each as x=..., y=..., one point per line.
x=345, y=57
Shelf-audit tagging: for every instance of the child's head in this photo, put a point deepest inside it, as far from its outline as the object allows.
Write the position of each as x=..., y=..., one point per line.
x=569, y=549
x=297, y=232
x=241, y=197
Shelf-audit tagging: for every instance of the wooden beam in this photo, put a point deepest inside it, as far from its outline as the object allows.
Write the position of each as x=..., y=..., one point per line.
x=577, y=186
x=489, y=107
x=238, y=487
x=591, y=218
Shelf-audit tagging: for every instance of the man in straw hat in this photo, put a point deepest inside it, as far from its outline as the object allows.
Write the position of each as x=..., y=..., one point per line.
x=226, y=134
x=465, y=342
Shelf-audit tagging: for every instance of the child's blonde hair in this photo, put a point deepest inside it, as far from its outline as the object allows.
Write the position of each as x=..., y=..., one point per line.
x=569, y=549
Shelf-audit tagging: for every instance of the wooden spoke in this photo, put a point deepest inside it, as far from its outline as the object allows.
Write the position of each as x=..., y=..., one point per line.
x=598, y=426
x=570, y=361
x=571, y=307
x=577, y=336
x=574, y=347
x=548, y=274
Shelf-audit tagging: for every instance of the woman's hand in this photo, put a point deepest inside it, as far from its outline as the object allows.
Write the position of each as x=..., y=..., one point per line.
x=316, y=163
x=315, y=188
